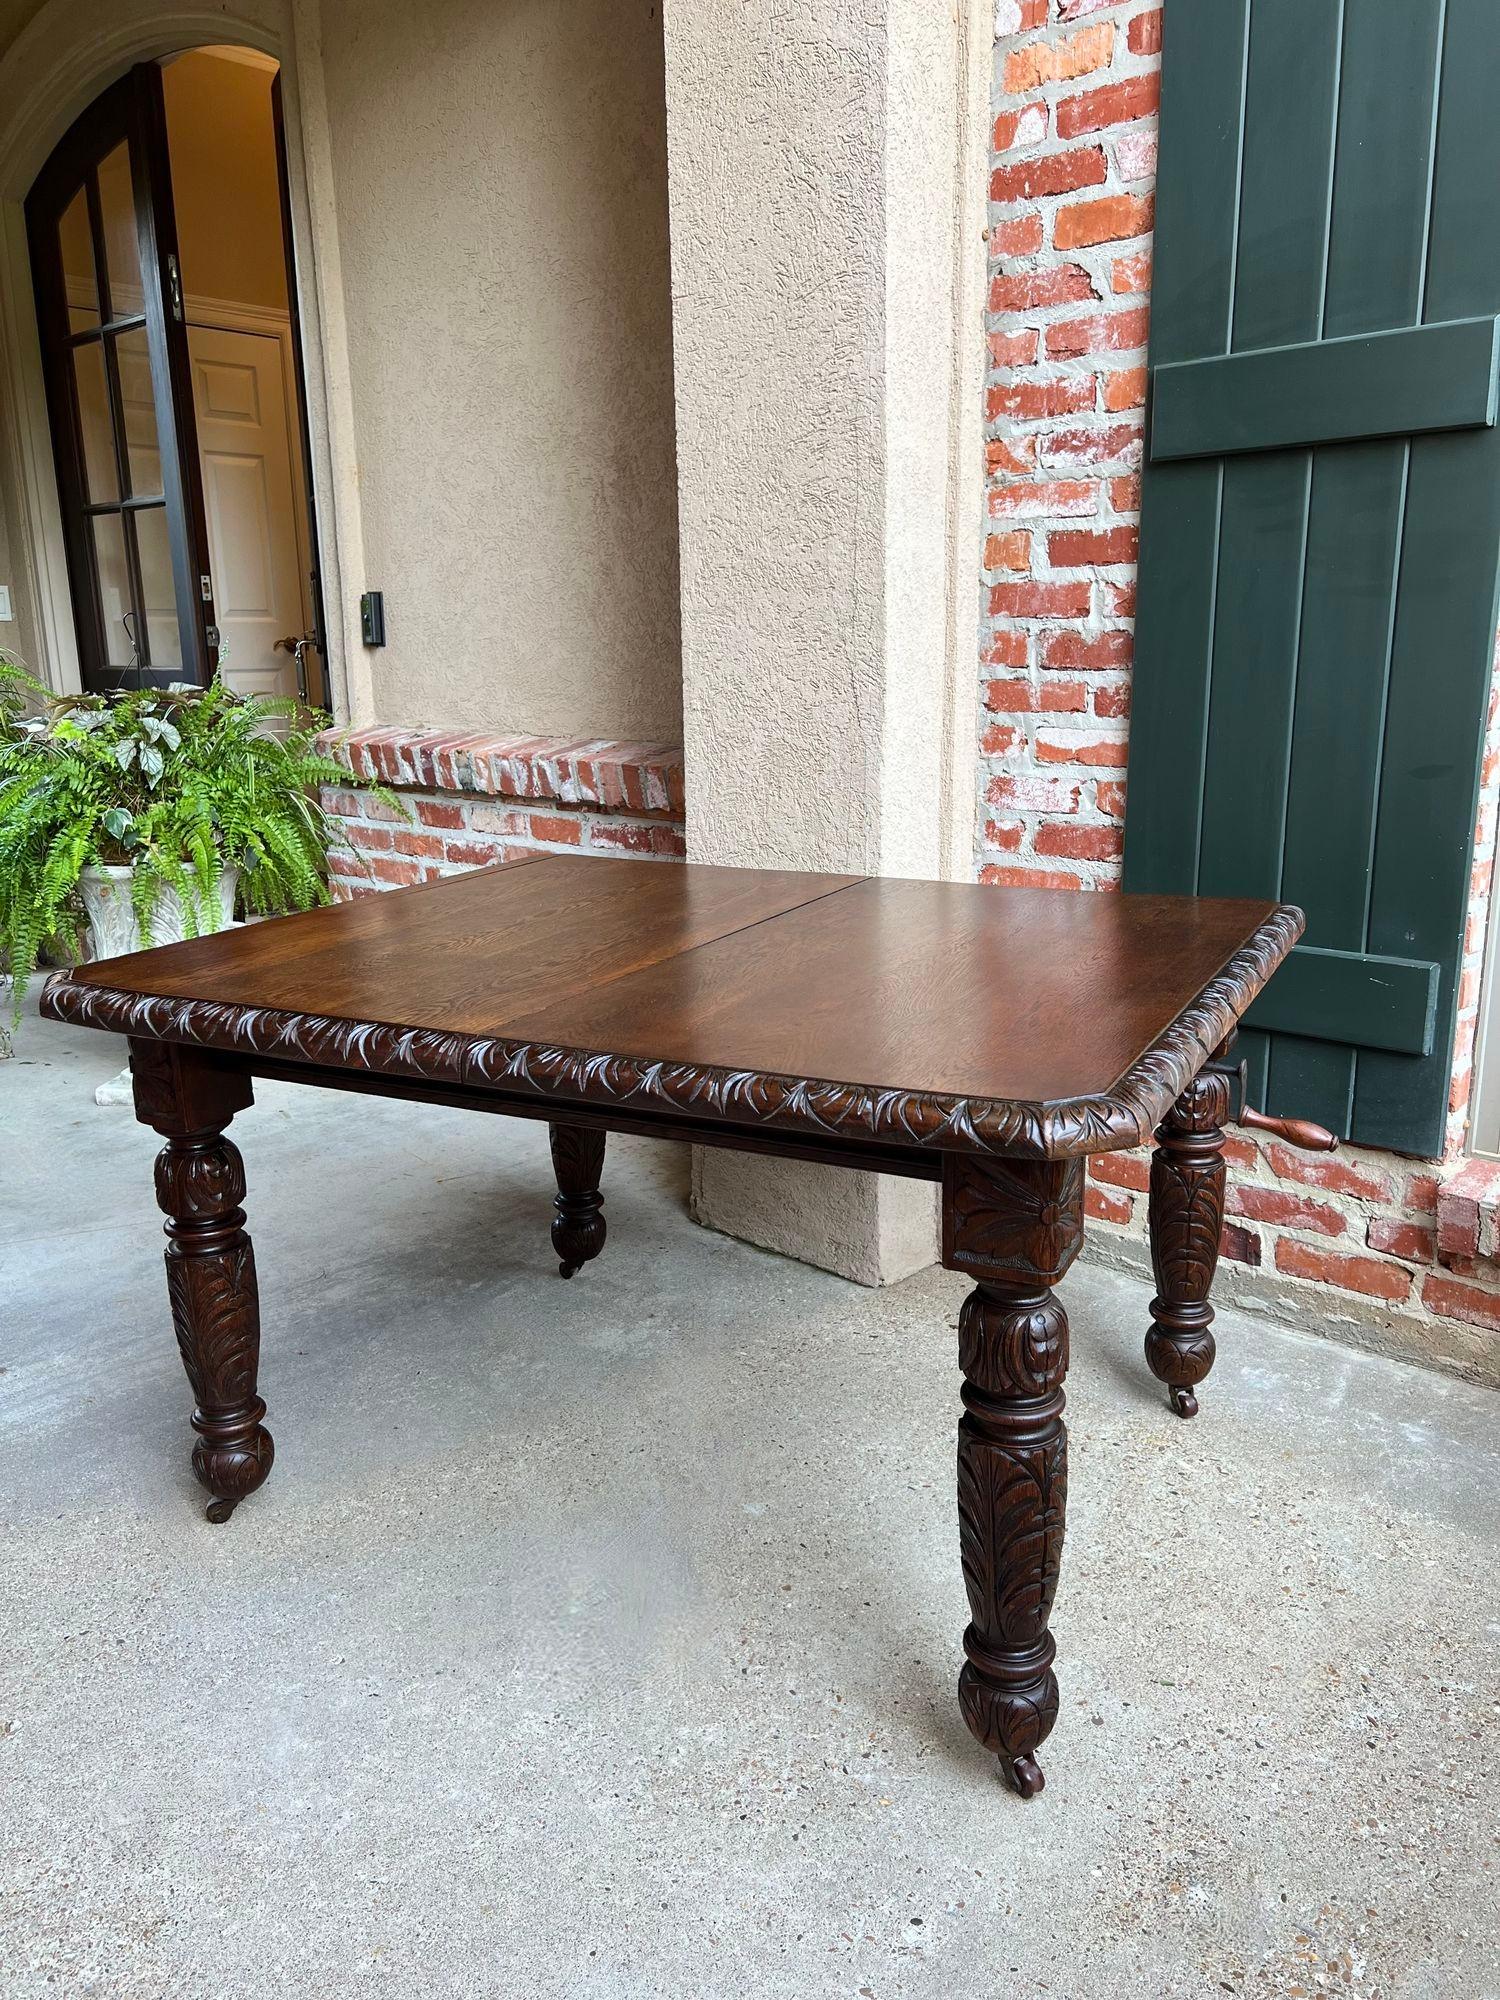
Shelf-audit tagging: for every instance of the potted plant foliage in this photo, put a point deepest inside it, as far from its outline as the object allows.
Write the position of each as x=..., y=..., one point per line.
x=142, y=816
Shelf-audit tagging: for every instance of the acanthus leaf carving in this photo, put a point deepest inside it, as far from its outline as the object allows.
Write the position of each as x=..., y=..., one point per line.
x=1123, y=1116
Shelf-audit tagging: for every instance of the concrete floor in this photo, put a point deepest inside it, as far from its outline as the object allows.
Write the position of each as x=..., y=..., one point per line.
x=601, y=1638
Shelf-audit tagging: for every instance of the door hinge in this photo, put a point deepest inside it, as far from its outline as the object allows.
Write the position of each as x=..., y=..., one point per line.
x=174, y=285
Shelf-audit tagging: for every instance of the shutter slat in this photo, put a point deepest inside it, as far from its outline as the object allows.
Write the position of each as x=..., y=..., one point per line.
x=1428, y=378
x=1261, y=551
x=1286, y=175
x=1351, y=996
x=1377, y=234
x=1196, y=225
x=1359, y=494
x=1285, y=170
x=1447, y=606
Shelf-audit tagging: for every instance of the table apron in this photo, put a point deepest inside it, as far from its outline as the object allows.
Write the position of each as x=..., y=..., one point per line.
x=874, y=1157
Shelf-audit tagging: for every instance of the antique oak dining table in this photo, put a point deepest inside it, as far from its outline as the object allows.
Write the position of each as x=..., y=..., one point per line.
x=985, y=1039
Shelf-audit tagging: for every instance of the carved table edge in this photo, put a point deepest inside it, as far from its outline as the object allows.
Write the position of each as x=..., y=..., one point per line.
x=1125, y=1115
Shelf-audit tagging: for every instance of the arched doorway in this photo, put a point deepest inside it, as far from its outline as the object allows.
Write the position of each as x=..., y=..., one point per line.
x=166, y=317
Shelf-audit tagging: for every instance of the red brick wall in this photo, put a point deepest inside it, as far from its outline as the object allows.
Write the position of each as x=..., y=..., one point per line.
x=472, y=800
x=1072, y=185
x=1070, y=246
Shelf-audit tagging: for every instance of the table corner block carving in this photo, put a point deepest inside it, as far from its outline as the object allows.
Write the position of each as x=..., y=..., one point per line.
x=578, y=1227
x=211, y=1284
x=1186, y=1209
x=1015, y=1226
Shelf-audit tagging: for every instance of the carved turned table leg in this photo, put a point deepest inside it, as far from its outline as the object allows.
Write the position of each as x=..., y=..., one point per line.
x=200, y=1183
x=1187, y=1219
x=578, y=1228
x=1016, y=1225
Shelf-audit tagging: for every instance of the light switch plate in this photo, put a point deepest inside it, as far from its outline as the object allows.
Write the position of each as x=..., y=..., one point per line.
x=5, y=610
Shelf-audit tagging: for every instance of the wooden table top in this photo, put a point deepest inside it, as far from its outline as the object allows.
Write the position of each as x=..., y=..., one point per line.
x=922, y=1013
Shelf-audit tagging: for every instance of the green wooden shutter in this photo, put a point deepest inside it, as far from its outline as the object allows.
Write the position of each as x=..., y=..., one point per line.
x=1320, y=536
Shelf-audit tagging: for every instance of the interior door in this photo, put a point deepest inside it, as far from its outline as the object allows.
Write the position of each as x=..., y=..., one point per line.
x=114, y=352
x=249, y=488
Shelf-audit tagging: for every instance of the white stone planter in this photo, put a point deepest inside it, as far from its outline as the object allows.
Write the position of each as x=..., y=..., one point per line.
x=113, y=931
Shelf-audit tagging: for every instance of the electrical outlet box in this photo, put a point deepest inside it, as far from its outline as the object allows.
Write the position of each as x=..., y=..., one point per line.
x=6, y=614
x=372, y=618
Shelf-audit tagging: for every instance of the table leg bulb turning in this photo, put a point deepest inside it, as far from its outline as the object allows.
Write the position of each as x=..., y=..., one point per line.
x=189, y=1098
x=200, y=1182
x=578, y=1227
x=1016, y=1226
x=1187, y=1219
x=1012, y=1493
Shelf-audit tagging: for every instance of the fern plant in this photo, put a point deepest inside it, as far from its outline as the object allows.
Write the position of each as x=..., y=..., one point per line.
x=177, y=784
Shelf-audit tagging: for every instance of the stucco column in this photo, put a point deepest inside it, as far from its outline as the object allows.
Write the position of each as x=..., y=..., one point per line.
x=826, y=167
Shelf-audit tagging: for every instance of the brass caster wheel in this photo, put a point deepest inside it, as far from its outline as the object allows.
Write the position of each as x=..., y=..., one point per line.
x=220, y=1510
x=1184, y=1402
x=567, y=1270
x=1025, y=1775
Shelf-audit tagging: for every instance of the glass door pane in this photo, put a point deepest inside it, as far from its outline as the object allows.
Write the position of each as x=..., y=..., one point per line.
x=95, y=422
x=138, y=412
x=116, y=598
x=122, y=247
x=163, y=644
x=80, y=277
x=114, y=347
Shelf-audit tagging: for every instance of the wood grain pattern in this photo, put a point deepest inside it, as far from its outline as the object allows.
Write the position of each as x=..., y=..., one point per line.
x=926, y=1015
x=470, y=953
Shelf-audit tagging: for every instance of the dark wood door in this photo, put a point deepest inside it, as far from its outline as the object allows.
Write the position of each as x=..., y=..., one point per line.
x=114, y=352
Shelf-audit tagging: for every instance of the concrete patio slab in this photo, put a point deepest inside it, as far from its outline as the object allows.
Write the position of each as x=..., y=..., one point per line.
x=601, y=1638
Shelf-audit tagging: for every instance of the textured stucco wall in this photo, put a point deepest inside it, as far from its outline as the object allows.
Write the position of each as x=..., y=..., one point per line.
x=14, y=16
x=827, y=285
x=499, y=168
x=776, y=124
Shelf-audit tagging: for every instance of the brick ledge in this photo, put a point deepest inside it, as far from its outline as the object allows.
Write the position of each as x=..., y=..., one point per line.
x=1468, y=1215
x=470, y=800
x=642, y=778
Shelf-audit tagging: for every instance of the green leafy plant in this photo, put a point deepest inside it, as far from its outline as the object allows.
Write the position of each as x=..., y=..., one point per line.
x=177, y=784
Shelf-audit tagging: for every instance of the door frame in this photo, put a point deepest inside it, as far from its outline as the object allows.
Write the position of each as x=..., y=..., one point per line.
x=53, y=72
x=1483, y=1139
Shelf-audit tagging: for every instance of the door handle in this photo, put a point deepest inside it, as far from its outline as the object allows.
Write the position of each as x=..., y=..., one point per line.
x=298, y=650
